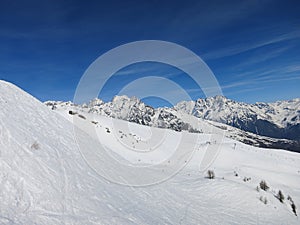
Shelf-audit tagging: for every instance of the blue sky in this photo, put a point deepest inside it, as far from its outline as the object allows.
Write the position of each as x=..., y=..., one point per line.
x=253, y=47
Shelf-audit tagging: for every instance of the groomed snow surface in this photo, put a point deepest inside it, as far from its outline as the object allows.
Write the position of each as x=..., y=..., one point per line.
x=45, y=179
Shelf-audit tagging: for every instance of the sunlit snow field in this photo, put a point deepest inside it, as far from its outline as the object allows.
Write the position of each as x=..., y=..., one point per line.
x=46, y=178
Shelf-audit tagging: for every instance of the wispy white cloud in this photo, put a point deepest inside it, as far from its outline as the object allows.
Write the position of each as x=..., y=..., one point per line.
x=262, y=56
x=244, y=90
x=258, y=77
x=242, y=47
x=293, y=68
x=235, y=84
x=126, y=72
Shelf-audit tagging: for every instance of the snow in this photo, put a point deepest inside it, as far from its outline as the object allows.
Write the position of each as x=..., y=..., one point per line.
x=278, y=120
x=220, y=109
x=256, y=124
x=44, y=178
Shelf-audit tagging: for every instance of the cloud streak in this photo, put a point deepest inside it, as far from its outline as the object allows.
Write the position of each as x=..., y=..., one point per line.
x=242, y=47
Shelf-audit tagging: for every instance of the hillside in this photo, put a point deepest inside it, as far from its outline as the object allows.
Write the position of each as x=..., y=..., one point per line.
x=211, y=112
x=47, y=177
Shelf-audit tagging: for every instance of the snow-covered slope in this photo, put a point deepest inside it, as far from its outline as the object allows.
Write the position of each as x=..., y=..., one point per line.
x=129, y=109
x=45, y=180
x=280, y=119
x=181, y=117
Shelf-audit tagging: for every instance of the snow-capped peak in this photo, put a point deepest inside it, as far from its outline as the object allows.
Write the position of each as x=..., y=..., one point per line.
x=259, y=119
x=280, y=119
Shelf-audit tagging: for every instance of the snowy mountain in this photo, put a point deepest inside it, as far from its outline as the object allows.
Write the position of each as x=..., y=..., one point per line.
x=129, y=109
x=217, y=109
x=44, y=178
x=280, y=119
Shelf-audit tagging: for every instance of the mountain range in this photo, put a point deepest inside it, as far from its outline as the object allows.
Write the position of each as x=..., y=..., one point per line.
x=270, y=125
x=280, y=119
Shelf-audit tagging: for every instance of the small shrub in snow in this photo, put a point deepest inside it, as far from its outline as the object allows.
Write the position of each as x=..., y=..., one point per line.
x=292, y=205
x=81, y=116
x=294, y=208
x=280, y=196
x=246, y=179
x=263, y=199
x=263, y=185
x=210, y=174
x=35, y=146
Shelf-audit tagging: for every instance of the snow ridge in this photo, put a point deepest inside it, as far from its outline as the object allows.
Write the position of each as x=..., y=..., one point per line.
x=129, y=109
x=258, y=124
x=280, y=119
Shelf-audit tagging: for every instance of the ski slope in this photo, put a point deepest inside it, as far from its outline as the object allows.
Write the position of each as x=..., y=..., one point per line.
x=46, y=179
